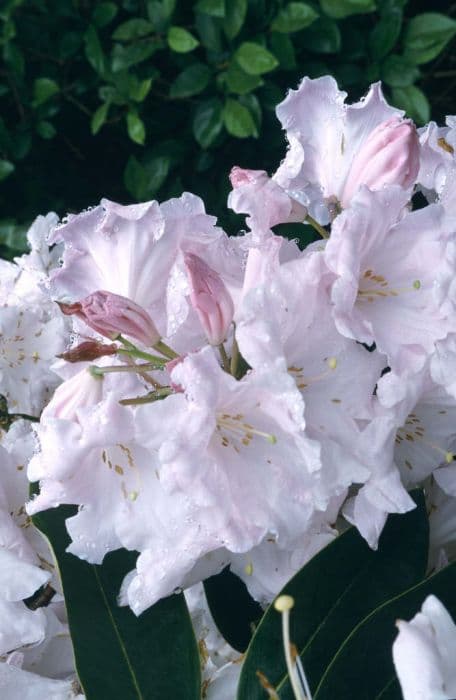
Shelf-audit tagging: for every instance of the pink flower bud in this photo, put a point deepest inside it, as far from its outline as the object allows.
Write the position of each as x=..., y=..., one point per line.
x=389, y=156
x=243, y=176
x=83, y=390
x=112, y=314
x=210, y=298
x=87, y=351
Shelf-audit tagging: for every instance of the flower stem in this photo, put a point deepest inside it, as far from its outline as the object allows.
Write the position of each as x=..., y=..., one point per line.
x=145, y=367
x=166, y=350
x=234, y=358
x=135, y=352
x=224, y=356
x=148, y=398
x=322, y=231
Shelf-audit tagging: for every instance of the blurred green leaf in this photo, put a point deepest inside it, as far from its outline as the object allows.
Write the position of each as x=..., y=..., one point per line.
x=136, y=129
x=94, y=50
x=398, y=71
x=180, y=40
x=13, y=236
x=239, y=81
x=133, y=29
x=385, y=34
x=124, y=57
x=104, y=13
x=238, y=120
x=293, y=17
x=414, y=102
x=6, y=168
x=14, y=58
x=139, y=89
x=207, y=122
x=427, y=35
x=210, y=33
x=323, y=37
x=160, y=13
x=283, y=49
x=99, y=118
x=191, y=81
x=235, y=14
x=254, y=59
x=343, y=8
x=213, y=8
x=43, y=90
x=46, y=130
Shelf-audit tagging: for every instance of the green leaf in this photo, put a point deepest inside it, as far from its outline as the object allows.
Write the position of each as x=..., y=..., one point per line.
x=283, y=49
x=238, y=120
x=99, y=118
x=43, y=90
x=136, y=129
x=323, y=37
x=239, y=81
x=293, y=17
x=94, y=51
x=333, y=593
x=338, y=9
x=143, y=181
x=13, y=236
x=209, y=31
x=118, y=655
x=124, y=57
x=6, y=168
x=180, y=40
x=398, y=71
x=133, y=29
x=346, y=677
x=104, y=13
x=139, y=89
x=213, y=8
x=414, y=102
x=254, y=59
x=235, y=14
x=427, y=35
x=14, y=58
x=46, y=130
x=207, y=122
x=385, y=34
x=191, y=81
x=160, y=13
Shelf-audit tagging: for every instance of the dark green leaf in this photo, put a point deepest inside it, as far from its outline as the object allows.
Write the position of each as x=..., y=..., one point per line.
x=43, y=90
x=349, y=74
x=322, y=37
x=118, y=655
x=236, y=11
x=46, y=130
x=235, y=620
x=293, y=17
x=209, y=31
x=283, y=49
x=6, y=168
x=254, y=59
x=346, y=677
x=139, y=89
x=133, y=29
x=180, y=40
x=207, y=122
x=136, y=129
x=124, y=57
x=13, y=236
x=427, y=35
x=343, y=8
x=160, y=13
x=213, y=8
x=385, y=34
x=69, y=44
x=191, y=81
x=333, y=593
x=14, y=58
x=135, y=178
x=104, y=13
x=253, y=105
x=238, y=120
x=398, y=71
x=94, y=51
x=99, y=118
x=414, y=102
x=239, y=81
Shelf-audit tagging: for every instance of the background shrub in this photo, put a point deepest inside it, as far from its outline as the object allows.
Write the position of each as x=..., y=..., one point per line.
x=136, y=100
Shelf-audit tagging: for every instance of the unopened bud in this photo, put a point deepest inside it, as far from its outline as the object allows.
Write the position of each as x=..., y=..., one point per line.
x=210, y=298
x=88, y=351
x=81, y=391
x=111, y=315
x=389, y=156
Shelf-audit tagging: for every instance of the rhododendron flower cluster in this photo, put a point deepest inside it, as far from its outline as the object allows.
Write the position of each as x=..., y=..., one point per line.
x=211, y=400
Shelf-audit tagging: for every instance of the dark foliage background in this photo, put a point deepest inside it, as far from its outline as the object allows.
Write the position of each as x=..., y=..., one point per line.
x=142, y=99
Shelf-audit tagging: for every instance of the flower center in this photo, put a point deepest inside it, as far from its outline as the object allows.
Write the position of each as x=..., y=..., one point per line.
x=234, y=431
x=376, y=286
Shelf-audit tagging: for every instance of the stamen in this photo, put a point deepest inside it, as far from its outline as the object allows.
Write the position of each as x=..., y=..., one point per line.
x=382, y=288
x=266, y=685
x=248, y=568
x=245, y=429
x=284, y=604
x=332, y=362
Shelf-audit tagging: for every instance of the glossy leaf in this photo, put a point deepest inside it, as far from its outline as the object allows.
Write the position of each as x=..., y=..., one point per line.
x=136, y=129
x=348, y=677
x=254, y=59
x=207, y=122
x=180, y=40
x=238, y=120
x=343, y=8
x=213, y=8
x=43, y=90
x=414, y=102
x=323, y=37
x=398, y=71
x=235, y=13
x=427, y=35
x=239, y=81
x=99, y=118
x=191, y=81
x=118, y=655
x=6, y=168
x=104, y=13
x=94, y=50
x=133, y=29
x=385, y=34
x=124, y=57
x=340, y=586
x=293, y=17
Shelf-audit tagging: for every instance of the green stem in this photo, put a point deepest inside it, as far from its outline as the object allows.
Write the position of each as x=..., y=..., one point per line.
x=234, y=358
x=134, y=352
x=25, y=416
x=148, y=398
x=166, y=350
x=322, y=231
x=224, y=356
x=145, y=367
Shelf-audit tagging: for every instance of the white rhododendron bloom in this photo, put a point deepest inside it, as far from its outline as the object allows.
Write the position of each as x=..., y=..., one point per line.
x=424, y=652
